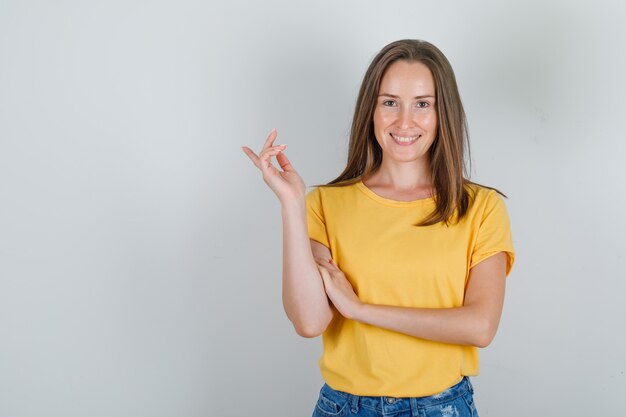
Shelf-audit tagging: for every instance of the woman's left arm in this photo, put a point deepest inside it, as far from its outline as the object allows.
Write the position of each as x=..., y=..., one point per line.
x=475, y=323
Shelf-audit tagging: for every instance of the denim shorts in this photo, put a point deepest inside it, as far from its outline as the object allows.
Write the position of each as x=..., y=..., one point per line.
x=456, y=401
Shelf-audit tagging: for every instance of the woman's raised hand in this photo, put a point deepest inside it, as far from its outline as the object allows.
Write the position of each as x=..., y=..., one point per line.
x=285, y=183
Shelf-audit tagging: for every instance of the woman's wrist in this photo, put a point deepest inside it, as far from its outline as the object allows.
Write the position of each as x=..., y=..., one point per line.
x=293, y=203
x=360, y=311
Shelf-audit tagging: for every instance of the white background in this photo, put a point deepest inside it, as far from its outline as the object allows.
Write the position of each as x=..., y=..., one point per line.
x=140, y=251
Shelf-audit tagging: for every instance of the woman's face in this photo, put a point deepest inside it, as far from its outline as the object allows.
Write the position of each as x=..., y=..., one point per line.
x=405, y=117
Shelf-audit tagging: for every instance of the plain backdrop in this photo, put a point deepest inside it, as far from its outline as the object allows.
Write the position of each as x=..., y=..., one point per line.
x=140, y=250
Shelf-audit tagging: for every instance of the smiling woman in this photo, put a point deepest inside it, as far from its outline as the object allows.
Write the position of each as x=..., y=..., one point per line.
x=400, y=262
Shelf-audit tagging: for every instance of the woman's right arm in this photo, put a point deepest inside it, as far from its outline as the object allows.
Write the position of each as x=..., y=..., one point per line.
x=304, y=297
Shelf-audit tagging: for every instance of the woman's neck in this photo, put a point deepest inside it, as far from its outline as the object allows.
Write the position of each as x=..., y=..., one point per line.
x=401, y=183
x=402, y=177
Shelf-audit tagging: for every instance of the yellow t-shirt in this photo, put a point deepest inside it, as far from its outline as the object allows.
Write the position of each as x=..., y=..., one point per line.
x=390, y=261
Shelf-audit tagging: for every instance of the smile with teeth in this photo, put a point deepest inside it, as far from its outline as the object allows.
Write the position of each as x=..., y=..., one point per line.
x=405, y=139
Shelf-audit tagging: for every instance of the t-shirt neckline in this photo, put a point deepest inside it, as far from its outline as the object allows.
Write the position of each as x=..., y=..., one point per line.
x=394, y=203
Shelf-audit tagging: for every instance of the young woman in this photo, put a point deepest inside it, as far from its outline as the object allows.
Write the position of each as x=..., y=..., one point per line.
x=400, y=262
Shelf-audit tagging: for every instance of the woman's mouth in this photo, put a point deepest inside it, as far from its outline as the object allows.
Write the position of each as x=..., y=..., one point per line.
x=404, y=140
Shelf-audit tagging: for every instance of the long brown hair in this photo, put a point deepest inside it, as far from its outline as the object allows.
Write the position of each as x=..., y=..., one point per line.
x=446, y=154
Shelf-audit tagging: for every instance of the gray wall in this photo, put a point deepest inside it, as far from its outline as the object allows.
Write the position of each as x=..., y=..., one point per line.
x=140, y=249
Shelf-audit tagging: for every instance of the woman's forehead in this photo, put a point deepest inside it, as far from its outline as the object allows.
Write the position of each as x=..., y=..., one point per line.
x=407, y=78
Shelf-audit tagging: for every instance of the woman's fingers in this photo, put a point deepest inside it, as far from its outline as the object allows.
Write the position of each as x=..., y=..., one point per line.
x=328, y=264
x=325, y=271
x=284, y=163
x=333, y=265
x=266, y=156
x=256, y=159
x=325, y=283
x=253, y=157
x=322, y=262
x=272, y=149
x=270, y=139
x=325, y=276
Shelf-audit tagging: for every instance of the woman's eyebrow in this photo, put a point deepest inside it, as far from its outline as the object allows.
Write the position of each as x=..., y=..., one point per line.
x=394, y=96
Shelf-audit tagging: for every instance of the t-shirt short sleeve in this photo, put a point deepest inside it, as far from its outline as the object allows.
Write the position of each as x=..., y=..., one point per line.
x=494, y=233
x=315, y=217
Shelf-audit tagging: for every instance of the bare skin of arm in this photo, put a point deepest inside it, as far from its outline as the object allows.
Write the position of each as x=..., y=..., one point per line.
x=304, y=298
x=475, y=323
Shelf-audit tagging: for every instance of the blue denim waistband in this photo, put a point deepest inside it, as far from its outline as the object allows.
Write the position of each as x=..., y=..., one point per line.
x=392, y=404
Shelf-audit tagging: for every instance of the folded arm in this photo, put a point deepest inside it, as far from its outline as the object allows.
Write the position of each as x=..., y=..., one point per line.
x=475, y=323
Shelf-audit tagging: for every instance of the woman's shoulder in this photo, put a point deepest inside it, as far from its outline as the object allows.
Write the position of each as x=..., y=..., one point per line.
x=332, y=195
x=481, y=191
x=334, y=189
x=482, y=195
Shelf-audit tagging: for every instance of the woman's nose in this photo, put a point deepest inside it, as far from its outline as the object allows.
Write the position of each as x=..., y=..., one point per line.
x=405, y=118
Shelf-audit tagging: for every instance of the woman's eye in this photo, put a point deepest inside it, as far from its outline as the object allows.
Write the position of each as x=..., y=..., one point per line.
x=389, y=103
x=422, y=104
